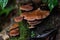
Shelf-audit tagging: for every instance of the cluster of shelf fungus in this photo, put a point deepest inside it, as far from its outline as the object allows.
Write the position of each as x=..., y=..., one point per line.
x=32, y=17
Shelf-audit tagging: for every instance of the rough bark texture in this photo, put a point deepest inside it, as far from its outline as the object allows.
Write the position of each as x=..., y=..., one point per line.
x=58, y=36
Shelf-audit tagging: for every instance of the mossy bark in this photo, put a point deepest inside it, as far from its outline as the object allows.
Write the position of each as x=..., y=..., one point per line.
x=24, y=31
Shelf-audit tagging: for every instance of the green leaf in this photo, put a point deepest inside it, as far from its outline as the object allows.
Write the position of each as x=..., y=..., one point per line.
x=6, y=10
x=52, y=4
x=32, y=34
x=3, y=3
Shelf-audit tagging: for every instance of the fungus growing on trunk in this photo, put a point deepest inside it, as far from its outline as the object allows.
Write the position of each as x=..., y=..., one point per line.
x=14, y=30
x=27, y=7
x=33, y=17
